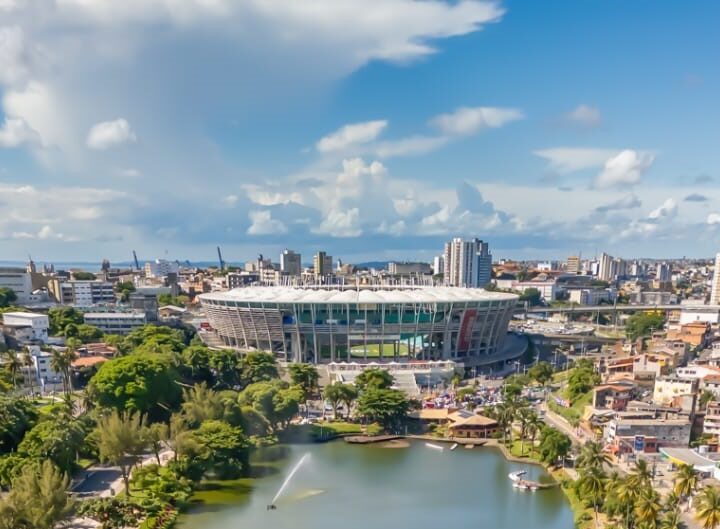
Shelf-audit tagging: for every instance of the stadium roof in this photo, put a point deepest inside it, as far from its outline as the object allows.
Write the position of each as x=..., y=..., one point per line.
x=386, y=294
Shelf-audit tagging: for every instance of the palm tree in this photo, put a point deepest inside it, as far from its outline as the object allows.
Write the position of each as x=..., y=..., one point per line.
x=29, y=363
x=591, y=484
x=534, y=425
x=641, y=477
x=627, y=494
x=120, y=441
x=708, y=508
x=648, y=509
x=13, y=364
x=671, y=520
x=59, y=364
x=592, y=456
x=523, y=416
x=686, y=482
x=672, y=501
x=201, y=403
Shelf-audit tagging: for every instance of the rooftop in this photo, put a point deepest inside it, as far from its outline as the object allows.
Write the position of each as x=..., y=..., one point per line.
x=373, y=294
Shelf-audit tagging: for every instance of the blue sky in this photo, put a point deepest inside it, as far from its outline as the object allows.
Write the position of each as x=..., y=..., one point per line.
x=372, y=129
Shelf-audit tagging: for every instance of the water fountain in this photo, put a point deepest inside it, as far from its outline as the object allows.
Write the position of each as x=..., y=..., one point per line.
x=285, y=483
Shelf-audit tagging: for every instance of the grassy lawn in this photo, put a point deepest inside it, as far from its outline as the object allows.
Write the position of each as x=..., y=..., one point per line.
x=584, y=516
x=561, y=376
x=527, y=450
x=574, y=413
x=373, y=350
x=343, y=428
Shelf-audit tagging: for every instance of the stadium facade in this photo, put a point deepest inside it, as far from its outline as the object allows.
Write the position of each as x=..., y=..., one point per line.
x=344, y=324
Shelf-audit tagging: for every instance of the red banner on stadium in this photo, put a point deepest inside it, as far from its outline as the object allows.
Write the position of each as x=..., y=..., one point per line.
x=466, y=327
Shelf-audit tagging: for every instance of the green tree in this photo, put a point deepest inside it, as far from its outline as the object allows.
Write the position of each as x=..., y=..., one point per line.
x=643, y=323
x=374, y=378
x=274, y=400
x=56, y=439
x=195, y=364
x=306, y=376
x=154, y=338
x=84, y=276
x=202, y=404
x=226, y=367
x=143, y=383
x=124, y=289
x=120, y=442
x=225, y=449
x=592, y=456
x=258, y=366
x=156, y=435
x=13, y=364
x=38, y=498
x=708, y=508
x=61, y=317
x=541, y=372
x=591, y=486
x=17, y=416
x=553, y=445
x=388, y=407
x=705, y=397
x=532, y=296
x=647, y=508
x=7, y=297
x=88, y=333
x=641, y=476
x=581, y=380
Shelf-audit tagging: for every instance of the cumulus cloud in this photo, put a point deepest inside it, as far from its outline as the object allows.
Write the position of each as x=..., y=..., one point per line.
x=627, y=202
x=110, y=134
x=412, y=145
x=467, y=120
x=15, y=132
x=264, y=224
x=565, y=160
x=13, y=60
x=668, y=208
x=230, y=200
x=585, y=116
x=351, y=136
x=713, y=219
x=341, y=224
x=696, y=197
x=624, y=169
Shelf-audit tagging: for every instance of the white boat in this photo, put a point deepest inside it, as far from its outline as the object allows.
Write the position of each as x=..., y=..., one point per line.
x=435, y=447
x=515, y=476
x=454, y=446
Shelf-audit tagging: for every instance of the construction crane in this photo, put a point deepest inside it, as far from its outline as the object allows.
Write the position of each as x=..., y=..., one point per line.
x=222, y=263
x=137, y=265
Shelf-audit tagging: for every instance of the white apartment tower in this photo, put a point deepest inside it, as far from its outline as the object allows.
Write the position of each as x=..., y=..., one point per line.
x=290, y=263
x=468, y=263
x=573, y=265
x=715, y=292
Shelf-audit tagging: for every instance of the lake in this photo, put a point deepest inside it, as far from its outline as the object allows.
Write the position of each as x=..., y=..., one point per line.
x=361, y=486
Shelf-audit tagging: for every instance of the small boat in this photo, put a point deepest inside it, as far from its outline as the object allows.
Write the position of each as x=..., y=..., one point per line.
x=271, y=507
x=454, y=446
x=515, y=476
x=435, y=447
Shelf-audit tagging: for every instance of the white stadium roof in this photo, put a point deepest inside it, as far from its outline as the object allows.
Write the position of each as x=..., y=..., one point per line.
x=363, y=295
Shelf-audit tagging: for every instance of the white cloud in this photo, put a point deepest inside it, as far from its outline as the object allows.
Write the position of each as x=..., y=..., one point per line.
x=351, y=135
x=341, y=224
x=15, y=132
x=630, y=201
x=585, y=115
x=466, y=120
x=410, y=146
x=13, y=67
x=110, y=134
x=668, y=208
x=230, y=200
x=130, y=172
x=570, y=159
x=713, y=219
x=624, y=169
x=264, y=224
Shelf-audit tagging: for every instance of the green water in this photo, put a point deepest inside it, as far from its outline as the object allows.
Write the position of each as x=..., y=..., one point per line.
x=361, y=487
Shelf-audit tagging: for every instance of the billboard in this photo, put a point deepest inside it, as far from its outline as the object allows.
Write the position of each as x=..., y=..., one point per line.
x=466, y=328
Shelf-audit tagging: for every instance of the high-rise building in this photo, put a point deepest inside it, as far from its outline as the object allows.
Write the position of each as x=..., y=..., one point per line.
x=290, y=263
x=573, y=265
x=468, y=263
x=663, y=272
x=322, y=264
x=607, y=267
x=715, y=292
x=439, y=264
x=161, y=268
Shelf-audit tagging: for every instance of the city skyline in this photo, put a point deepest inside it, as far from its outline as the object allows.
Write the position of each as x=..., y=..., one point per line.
x=587, y=128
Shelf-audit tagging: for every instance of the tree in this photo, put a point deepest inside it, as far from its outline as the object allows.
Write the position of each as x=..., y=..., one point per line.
x=541, y=372
x=591, y=486
x=88, y=333
x=61, y=317
x=274, y=400
x=643, y=323
x=641, y=476
x=155, y=436
x=17, y=416
x=591, y=456
x=306, y=376
x=553, y=445
x=124, y=289
x=154, y=338
x=388, y=407
x=226, y=367
x=28, y=363
x=534, y=425
x=647, y=508
x=7, y=297
x=374, y=378
x=532, y=296
x=120, y=441
x=202, y=404
x=38, y=499
x=524, y=416
x=225, y=449
x=13, y=363
x=708, y=508
x=581, y=380
x=61, y=362
x=705, y=397
x=195, y=364
x=56, y=439
x=258, y=367
x=333, y=395
x=686, y=481
x=84, y=276
x=143, y=383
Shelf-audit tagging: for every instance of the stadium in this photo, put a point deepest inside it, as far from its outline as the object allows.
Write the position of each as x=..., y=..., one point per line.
x=328, y=324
